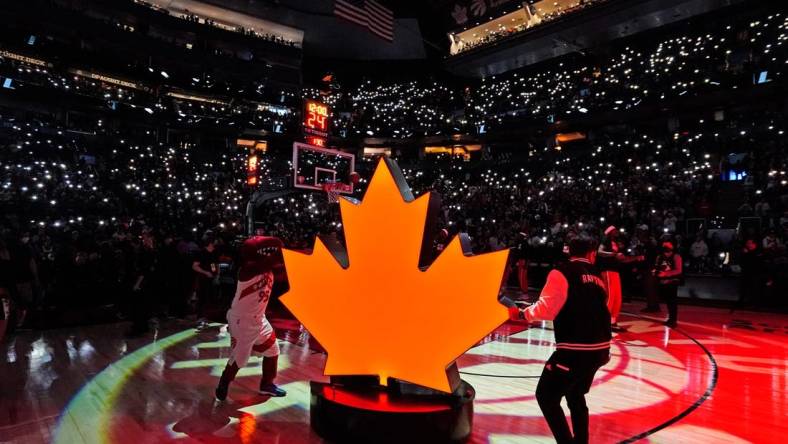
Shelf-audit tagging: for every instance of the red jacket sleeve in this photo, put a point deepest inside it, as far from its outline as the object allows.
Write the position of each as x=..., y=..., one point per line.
x=551, y=300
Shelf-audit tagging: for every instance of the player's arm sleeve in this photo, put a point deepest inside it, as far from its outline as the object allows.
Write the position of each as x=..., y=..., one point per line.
x=551, y=300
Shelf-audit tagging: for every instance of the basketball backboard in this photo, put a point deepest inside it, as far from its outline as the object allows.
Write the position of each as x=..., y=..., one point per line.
x=314, y=167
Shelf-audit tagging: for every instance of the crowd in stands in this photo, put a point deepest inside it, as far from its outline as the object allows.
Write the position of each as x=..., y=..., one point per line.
x=185, y=108
x=83, y=213
x=194, y=18
x=651, y=184
x=694, y=63
x=535, y=18
x=93, y=221
x=93, y=214
x=719, y=57
x=115, y=44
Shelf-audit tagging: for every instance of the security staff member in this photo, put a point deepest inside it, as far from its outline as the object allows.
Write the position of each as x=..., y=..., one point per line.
x=575, y=299
x=669, y=273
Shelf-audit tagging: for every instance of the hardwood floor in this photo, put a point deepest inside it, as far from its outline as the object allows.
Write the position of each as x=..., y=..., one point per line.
x=719, y=377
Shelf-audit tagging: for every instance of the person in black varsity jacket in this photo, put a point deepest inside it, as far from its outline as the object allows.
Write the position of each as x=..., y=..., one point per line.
x=575, y=299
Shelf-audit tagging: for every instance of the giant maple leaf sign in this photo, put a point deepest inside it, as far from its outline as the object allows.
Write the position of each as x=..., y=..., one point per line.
x=382, y=315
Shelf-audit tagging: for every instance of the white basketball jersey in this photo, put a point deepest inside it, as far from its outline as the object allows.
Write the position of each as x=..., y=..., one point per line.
x=251, y=297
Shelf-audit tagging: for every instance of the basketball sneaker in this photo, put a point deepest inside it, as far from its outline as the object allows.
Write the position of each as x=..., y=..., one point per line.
x=271, y=390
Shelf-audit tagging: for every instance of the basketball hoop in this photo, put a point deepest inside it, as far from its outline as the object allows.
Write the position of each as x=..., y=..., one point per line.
x=332, y=191
x=334, y=188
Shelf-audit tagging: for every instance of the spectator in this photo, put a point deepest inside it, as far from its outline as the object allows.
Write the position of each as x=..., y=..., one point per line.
x=205, y=267
x=6, y=281
x=699, y=252
x=4, y=311
x=25, y=274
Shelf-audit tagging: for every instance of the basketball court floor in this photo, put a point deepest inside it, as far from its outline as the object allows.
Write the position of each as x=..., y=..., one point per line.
x=719, y=377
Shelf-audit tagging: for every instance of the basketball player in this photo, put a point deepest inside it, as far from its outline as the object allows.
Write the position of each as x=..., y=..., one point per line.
x=574, y=298
x=611, y=257
x=250, y=331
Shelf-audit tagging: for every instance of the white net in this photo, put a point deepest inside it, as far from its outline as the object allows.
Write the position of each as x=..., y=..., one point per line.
x=332, y=191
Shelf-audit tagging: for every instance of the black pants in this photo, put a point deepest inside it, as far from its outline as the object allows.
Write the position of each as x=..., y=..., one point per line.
x=206, y=294
x=569, y=374
x=750, y=287
x=176, y=291
x=669, y=294
x=141, y=310
x=650, y=288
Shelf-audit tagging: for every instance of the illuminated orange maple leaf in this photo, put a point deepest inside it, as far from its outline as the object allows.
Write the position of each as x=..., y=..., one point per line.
x=382, y=315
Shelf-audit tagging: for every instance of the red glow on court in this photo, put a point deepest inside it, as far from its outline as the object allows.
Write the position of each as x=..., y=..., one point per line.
x=379, y=402
x=656, y=375
x=247, y=426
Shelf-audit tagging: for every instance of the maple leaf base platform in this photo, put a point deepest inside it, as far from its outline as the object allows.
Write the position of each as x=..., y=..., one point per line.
x=373, y=413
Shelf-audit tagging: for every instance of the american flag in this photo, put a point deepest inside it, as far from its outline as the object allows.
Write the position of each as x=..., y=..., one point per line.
x=369, y=14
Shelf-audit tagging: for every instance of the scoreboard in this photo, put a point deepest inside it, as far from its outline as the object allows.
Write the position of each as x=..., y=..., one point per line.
x=316, y=118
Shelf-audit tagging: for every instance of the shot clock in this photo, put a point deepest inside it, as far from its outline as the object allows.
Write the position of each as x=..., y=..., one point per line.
x=316, y=118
